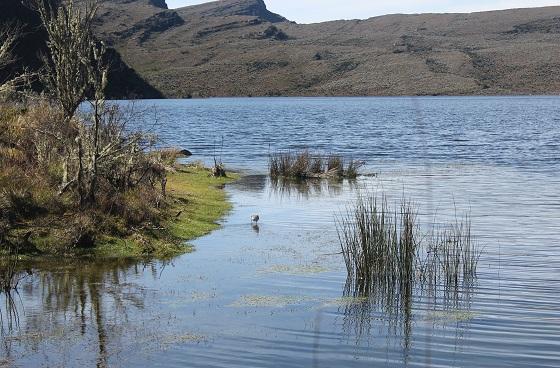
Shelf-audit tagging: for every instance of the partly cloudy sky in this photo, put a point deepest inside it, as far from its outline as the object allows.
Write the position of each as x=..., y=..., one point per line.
x=308, y=11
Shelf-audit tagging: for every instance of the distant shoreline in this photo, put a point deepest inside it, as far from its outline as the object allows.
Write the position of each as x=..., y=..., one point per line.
x=341, y=96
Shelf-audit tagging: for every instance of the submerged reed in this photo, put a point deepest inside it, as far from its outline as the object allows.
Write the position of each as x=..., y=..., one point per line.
x=304, y=165
x=10, y=277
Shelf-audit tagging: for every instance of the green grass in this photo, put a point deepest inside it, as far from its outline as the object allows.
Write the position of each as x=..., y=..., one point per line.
x=199, y=201
x=200, y=198
x=195, y=202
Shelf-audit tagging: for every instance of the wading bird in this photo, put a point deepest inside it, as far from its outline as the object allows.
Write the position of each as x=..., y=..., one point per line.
x=255, y=218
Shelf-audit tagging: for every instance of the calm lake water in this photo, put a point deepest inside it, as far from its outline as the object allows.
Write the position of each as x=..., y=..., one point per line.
x=274, y=295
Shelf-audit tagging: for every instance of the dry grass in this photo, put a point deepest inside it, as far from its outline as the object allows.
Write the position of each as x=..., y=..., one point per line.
x=40, y=197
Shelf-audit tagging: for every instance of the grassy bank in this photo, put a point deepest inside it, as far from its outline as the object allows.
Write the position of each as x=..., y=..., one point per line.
x=195, y=203
x=74, y=178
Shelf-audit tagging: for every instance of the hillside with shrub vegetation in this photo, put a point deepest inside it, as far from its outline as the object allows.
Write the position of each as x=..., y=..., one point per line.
x=239, y=48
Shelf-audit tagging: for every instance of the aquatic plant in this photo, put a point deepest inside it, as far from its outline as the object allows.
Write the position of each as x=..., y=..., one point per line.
x=10, y=276
x=305, y=165
x=384, y=248
x=390, y=261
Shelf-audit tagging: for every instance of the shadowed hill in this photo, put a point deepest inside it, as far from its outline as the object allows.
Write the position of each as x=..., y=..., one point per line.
x=239, y=48
x=124, y=82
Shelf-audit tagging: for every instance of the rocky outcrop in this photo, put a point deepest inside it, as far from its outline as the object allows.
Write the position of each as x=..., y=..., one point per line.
x=541, y=26
x=157, y=23
x=254, y=8
x=158, y=3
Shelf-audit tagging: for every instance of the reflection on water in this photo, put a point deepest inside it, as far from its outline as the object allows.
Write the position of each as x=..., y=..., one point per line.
x=251, y=183
x=285, y=187
x=392, y=307
x=10, y=277
x=280, y=288
x=70, y=298
x=276, y=284
x=9, y=314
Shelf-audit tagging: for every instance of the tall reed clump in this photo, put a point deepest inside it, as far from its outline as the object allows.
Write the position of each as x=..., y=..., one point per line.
x=450, y=255
x=385, y=250
x=305, y=165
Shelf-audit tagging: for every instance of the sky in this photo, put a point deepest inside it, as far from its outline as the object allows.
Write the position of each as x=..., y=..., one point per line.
x=310, y=11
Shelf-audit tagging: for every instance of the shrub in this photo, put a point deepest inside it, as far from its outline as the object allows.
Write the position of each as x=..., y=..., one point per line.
x=65, y=175
x=274, y=33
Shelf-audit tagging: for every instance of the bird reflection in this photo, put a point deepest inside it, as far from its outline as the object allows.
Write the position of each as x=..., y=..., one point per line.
x=255, y=228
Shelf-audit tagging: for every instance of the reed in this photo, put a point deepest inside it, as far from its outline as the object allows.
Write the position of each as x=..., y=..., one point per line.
x=386, y=252
x=305, y=165
x=9, y=274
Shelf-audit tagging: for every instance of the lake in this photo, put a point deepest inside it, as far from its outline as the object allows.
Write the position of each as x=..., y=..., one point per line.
x=275, y=295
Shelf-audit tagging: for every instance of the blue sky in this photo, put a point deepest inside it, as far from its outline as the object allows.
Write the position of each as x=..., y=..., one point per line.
x=308, y=11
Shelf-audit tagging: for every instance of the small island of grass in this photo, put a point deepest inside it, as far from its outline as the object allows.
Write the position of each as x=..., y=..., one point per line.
x=306, y=165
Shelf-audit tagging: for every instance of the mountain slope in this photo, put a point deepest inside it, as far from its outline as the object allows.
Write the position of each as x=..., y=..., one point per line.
x=124, y=82
x=239, y=48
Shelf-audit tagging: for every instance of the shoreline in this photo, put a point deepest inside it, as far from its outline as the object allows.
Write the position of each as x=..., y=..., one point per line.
x=255, y=97
x=195, y=203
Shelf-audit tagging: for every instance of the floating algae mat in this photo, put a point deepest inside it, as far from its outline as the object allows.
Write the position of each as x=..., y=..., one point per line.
x=270, y=301
x=443, y=316
x=295, y=269
x=345, y=301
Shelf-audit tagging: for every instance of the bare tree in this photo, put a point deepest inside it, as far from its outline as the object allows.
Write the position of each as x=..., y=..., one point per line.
x=8, y=38
x=76, y=69
x=75, y=61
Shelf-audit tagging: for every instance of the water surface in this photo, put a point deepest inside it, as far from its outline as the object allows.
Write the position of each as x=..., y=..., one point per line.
x=274, y=295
